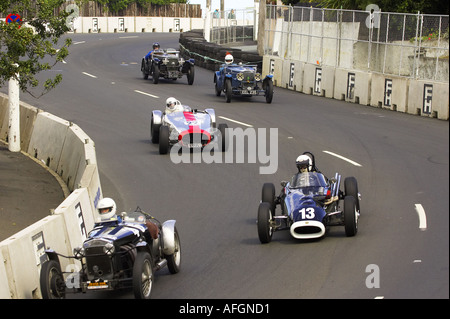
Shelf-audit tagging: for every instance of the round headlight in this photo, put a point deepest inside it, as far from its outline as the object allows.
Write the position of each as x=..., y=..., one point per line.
x=240, y=76
x=108, y=249
x=257, y=77
x=78, y=252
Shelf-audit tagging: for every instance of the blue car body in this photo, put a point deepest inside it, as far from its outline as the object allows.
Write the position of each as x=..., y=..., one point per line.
x=242, y=80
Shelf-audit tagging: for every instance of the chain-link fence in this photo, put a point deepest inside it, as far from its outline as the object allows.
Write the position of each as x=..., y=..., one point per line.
x=407, y=45
x=232, y=25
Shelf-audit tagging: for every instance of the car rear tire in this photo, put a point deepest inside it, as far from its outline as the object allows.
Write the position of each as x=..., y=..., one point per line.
x=174, y=260
x=216, y=88
x=350, y=216
x=144, y=73
x=155, y=74
x=265, y=231
x=142, y=275
x=163, y=139
x=154, y=131
x=268, y=196
x=51, y=281
x=269, y=91
x=191, y=75
x=228, y=91
x=351, y=189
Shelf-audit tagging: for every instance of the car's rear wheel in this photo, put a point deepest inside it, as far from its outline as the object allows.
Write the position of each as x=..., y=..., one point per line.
x=174, y=260
x=142, y=276
x=217, y=89
x=52, y=281
x=350, y=216
x=265, y=231
x=163, y=139
x=155, y=74
x=268, y=196
x=228, y=91
x=269, y=91
x=190, y=75
x=154, y=131
x=351, y=189
x=144, y=72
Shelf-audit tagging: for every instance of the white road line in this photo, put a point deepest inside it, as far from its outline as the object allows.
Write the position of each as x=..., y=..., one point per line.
x=343, y=158
x=137, y=91
x=129, y=37
x=422, y=217
x=234, y=121
x=92, y=76
x=79, y=42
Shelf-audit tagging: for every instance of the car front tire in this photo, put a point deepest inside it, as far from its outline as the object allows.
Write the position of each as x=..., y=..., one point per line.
x=143, y=276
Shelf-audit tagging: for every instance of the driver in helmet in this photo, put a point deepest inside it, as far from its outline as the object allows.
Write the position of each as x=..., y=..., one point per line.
x=229, y=58
x=173, y=105
x=304, y=164
x=155, y=46
x=107, y=209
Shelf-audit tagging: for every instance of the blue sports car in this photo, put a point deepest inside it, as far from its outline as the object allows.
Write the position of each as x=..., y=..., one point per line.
x=309, y=204
x=242, y=80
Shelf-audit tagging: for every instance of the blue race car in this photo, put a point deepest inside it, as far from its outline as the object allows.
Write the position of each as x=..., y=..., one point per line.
x=242, y=80
x=309, y=204
x=121, y=253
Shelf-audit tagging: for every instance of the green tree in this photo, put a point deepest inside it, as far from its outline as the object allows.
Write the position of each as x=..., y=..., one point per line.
x=32, y=47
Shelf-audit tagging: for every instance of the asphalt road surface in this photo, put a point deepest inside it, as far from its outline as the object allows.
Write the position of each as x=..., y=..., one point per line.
x=401, y=163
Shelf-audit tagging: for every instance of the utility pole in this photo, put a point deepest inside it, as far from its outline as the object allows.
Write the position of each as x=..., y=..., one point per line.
x=14, y=115
x=261, y=21
x=207, y=27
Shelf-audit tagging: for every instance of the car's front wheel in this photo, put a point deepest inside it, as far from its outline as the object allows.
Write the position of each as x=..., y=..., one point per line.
x=350, y=216
x=265, y=230
x=228, y=91
x=142, y=275
x=190, y=75
x=144, y=72
x=52, y=281
x=268, y=195
x=269, y=91
x=155, y=74
x=174, y=260
x=163, y=139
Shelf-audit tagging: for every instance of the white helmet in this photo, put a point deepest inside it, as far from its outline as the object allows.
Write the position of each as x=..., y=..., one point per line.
x=106, y=208
x=229, y=59
x=171, y=102
x=304, y=163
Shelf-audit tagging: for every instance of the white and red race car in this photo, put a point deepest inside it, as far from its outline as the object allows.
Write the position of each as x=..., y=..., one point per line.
x=190, y=128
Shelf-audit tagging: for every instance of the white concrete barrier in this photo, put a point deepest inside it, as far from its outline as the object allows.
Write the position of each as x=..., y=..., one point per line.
x=22, y=254
x=352, y=86
x=79, y=216
x=428, y=98
x=4, y=286
x=389, y=92
x=47, y=139
x=292, y=76
x=69, y=152
x=135, y=24
x=273, y=65
x=318, y=80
